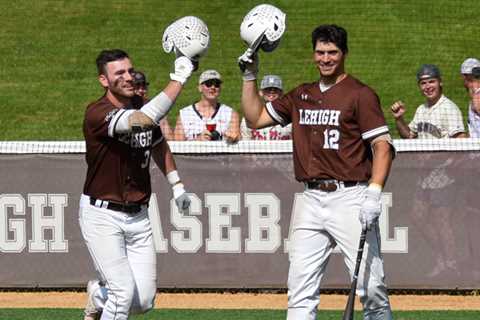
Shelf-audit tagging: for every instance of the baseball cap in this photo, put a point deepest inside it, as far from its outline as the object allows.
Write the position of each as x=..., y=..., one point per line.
x=271, y=81
x=139, y=78
x=468, y=65
x=476, y=72
x=209, y=75
x=427, y=71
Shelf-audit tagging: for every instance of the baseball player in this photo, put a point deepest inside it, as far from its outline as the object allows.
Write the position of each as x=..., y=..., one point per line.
x=113, y=216
x=342, y=152
x=438, y=117
x=193, y=119
x=271, y=88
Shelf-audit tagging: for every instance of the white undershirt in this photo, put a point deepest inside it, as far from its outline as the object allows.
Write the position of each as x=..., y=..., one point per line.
x=324, y=87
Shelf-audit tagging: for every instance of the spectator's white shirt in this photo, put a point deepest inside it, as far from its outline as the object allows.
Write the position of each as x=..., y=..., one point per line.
x=276, y=132
x=473, y=122
x=194, y=124
x=442, y=120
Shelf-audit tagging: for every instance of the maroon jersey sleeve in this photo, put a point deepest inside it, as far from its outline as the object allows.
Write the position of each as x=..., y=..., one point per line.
x=98, y=117
x=369, y=113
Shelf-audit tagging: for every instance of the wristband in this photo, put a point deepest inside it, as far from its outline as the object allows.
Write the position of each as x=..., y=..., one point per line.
x=173, y=177
x=178, y=78
x=178, y=189
x=374, y=191
x=249, y=76
x=158, y=107
x=375, y=187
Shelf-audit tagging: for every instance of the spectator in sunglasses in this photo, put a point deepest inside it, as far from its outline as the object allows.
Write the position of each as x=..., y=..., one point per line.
x=208, y=119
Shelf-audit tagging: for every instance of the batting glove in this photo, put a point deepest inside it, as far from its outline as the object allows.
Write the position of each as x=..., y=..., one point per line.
x=248, y=63
x=181, y=198
x=183, y=69
x=371, y=206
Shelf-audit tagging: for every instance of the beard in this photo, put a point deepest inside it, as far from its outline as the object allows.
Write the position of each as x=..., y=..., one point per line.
x=119, y=89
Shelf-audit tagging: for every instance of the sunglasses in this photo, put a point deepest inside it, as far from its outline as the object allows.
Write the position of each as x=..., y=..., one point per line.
x=272, y=90
x=213, y=82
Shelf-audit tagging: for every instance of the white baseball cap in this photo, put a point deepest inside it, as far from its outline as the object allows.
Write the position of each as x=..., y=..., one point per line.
x=271, y=81
x=209, y=75
x=468, y=65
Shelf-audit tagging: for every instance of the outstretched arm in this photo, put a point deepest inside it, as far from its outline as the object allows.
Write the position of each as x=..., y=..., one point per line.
x=151, y=113
x=382, y=161
x=253, y=105
x=164, y=159
x=372, y=204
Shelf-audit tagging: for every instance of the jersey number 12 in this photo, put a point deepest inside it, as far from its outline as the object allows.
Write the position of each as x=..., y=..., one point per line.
x=330, y=138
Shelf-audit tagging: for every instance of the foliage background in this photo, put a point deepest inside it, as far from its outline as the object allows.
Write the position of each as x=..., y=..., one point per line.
x=48, y=49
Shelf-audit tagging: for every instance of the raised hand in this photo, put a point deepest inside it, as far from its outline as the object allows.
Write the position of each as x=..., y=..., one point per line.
x=183, y=69
x=398, y=109
x=248, y=63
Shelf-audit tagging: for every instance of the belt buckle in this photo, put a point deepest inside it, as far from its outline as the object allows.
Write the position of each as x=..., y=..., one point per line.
x=131, y=209
x=328, y=186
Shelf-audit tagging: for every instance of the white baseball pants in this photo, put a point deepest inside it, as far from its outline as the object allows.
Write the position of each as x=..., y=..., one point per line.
x=123, y=253
x=327, y=219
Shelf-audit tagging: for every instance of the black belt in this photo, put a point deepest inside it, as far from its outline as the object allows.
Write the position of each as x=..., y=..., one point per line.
x=127, y=208
x=330, y=185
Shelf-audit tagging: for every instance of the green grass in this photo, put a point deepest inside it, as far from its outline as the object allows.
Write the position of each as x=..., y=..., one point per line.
x=175, y=314
x=48, y=48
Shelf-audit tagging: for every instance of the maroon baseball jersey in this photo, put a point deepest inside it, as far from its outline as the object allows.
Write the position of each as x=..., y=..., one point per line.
x=118, y=164
x=331, y=130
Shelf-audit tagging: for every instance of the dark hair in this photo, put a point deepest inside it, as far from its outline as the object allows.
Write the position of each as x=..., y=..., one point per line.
x=106, y=56
x=330, y=33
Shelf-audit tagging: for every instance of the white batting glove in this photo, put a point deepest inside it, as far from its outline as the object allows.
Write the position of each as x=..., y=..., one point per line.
x=181, y=198
x=371, y=206
x=248, y=63
x=183, y=69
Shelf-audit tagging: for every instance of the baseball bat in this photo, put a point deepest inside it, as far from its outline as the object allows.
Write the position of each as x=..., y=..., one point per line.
x=349, y=308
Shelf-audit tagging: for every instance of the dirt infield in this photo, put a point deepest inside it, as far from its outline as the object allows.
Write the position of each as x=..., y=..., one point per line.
x=236, y=301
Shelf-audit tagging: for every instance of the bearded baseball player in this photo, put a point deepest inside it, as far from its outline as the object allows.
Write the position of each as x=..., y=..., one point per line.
x=342, y=152
x=120, y=141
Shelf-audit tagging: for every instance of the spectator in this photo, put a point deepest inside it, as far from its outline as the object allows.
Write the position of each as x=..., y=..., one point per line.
x=271, y=88
x=223, y=122
x=141, y=97
x=470, y=71
x=438, y=117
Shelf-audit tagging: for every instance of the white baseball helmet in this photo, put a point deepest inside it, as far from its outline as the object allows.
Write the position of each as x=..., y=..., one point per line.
x=263, y=26
x=189, y=36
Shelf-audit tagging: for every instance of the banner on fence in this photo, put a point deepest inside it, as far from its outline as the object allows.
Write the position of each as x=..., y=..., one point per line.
x=237, y=232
